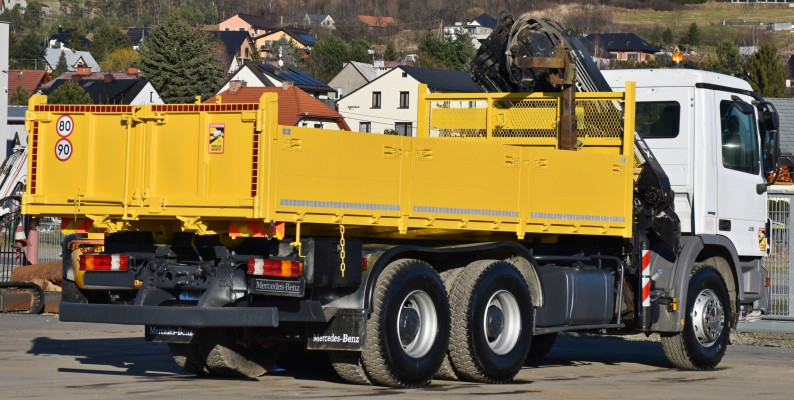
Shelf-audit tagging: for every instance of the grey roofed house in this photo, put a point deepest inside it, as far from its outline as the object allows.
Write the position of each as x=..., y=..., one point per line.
x=74, y=59
x=617, y=44
x=352, y=76
x=785, y=109
x=109, y=88
x=137, y=35
x=256, y=21
x=486, y=20
x=442, y=79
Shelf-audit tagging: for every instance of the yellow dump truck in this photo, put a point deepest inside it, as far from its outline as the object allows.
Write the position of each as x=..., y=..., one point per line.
x=454, y=253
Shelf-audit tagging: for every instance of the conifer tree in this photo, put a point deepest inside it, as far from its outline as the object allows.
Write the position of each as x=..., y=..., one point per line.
x=765, y=72
x=69, y=93
x=179, y=61
x=61, y=67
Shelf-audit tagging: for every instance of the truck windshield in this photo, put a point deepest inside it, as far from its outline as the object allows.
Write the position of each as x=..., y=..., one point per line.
x=739, y=139
x=658, y=119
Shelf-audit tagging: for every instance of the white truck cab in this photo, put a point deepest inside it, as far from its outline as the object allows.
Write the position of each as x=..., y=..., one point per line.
x=715, y=139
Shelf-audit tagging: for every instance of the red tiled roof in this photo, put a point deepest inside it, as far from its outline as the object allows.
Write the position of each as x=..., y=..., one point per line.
x=379, y=22
x=28, y=79
x=293, y=104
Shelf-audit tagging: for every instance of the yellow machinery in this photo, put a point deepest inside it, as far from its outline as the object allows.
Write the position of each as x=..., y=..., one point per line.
x=481, y=164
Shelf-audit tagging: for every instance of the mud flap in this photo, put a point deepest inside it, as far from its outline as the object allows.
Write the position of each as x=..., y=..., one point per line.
x=346, y=331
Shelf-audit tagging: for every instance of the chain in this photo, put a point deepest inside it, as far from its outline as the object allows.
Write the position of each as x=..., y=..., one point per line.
x=342, y=252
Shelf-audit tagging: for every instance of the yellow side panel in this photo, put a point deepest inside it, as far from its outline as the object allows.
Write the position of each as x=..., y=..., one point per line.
x=463, y=181
x=177, y=148
x=331, y=172
x=577, y=192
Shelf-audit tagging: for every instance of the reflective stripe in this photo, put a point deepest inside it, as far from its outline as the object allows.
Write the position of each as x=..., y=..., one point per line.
x=578, y=217
x=466, y=211
x=339, y=204
x=646, y=278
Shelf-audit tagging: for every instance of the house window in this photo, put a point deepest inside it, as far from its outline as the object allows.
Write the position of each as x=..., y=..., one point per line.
x=631, y=57
x=403, y=129
x=365, y=127
x=375, y=99
x=403, y=99
x=241, y=29
x=320, y=126
x=227, y=29
x=246, y=52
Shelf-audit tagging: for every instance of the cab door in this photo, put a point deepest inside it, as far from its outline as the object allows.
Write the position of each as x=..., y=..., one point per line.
x=742, y=201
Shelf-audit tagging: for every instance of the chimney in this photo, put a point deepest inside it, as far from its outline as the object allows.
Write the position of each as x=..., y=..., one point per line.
x=77, y=77
x=132, y=71
x=83, y=71
x=286, y=85
x=108, y=78
x=234, y=86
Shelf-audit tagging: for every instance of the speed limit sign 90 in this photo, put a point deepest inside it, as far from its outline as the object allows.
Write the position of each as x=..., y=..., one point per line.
x=63, y=149
x=65, y=125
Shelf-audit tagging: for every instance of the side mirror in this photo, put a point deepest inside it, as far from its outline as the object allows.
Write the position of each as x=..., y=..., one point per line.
x=742, y=106
x=768, y=124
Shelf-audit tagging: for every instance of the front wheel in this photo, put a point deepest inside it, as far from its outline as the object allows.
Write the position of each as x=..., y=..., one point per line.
x=702, y=343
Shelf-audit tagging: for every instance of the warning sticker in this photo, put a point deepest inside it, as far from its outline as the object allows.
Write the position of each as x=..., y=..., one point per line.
x=762, y=239
x=217, y=137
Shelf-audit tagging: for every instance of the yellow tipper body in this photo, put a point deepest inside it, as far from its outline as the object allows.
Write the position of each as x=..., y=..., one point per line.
x=483, y=166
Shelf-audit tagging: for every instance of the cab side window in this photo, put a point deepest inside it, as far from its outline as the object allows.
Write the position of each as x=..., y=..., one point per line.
x=658, y=119
x=739, y=140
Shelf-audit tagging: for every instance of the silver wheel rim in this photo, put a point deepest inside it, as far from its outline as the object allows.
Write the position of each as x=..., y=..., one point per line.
x=502, y=322
x=708, y=317
x=417, y=324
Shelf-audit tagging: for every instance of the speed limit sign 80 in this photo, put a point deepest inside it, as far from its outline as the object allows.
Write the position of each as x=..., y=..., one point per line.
x=65, y=125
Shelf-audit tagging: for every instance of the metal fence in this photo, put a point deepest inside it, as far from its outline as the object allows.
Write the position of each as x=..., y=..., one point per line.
x=11, y=254
x=50, y=239
x=779, y=262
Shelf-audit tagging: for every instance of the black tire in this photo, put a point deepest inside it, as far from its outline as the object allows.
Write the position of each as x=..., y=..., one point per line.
x=188, y=357
x=540, y=346
x=496, y=291
x=408, y=330
x=347, y=365
x=446, y=371
x=702, y=343
x=225, y=353
x=69, y=291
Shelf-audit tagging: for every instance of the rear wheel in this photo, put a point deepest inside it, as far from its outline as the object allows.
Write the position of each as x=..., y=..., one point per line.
x=491, y=322
x=408, y=331
x=229, y=352
x=702, y=343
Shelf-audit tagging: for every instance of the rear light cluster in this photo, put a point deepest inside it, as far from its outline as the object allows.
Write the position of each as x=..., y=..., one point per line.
x=104, y=262
x=278, y=268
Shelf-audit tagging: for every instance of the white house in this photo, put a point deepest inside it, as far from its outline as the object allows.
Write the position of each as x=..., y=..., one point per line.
x=478, y=29
x=323, y=20
x=389, y=102
x=266, y=75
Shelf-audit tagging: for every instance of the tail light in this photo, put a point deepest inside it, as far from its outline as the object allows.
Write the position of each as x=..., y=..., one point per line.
x=278, y=268
x=104, y=262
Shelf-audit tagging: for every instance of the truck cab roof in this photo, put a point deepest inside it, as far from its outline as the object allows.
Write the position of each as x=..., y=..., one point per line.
x=671, y=77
